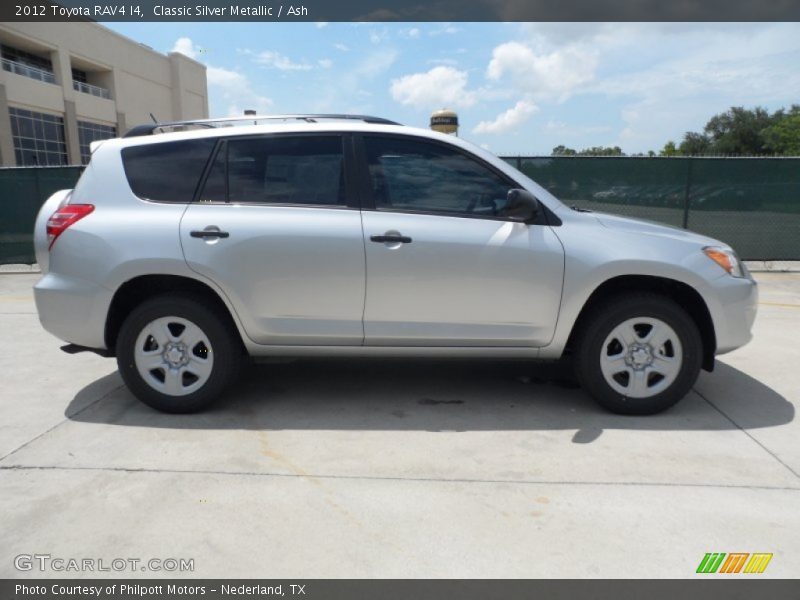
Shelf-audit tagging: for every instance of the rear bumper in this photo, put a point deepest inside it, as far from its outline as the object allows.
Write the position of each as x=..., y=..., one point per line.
x=735, y=312
x=73, y=310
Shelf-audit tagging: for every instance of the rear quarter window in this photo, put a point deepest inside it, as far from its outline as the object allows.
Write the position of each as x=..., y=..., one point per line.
x=167, y=171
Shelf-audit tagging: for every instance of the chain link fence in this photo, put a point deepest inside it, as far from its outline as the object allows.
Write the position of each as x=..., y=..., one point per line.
x=753, y=204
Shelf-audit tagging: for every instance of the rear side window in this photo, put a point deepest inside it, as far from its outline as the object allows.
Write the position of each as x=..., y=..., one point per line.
x=306, y=170
x=166, y=172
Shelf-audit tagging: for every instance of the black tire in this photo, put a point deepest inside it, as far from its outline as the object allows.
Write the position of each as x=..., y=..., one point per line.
x=223, y=339
x=599, y=324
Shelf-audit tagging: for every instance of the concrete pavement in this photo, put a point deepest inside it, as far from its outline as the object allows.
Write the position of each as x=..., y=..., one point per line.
x=366, y=468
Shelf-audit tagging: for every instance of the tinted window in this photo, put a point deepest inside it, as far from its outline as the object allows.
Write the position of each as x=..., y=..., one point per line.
x=286, y=170
x=168, y=171
x=214, y=188
x=421, y=176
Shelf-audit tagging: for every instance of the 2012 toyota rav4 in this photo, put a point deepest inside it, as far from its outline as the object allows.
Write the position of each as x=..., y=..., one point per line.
x=181, y=253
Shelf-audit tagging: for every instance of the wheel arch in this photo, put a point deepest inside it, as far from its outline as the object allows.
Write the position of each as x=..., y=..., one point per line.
x=133, y=292
x=685, y=295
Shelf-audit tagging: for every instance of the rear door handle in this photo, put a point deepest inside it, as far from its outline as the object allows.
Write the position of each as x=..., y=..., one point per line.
x=390, y=239
x=209, y=233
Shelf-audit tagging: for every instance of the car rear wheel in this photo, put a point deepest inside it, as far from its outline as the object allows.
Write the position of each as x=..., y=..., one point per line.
x=638, y=354
x=177, y=355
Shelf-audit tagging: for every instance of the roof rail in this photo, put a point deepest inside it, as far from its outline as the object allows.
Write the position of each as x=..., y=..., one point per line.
x=151, y=128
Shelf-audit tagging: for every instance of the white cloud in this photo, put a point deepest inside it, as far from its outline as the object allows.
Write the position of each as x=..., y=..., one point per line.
x=233, y=87
x=565, y=129
x=321, y=24
x=658, y=80
x=374, y=64
x=412, y=33
x=446, y=28
x=236, y=90
x=224, y=77
x=342, y=90
x=745, y=70
x=442, y=86
x=508, y=120
x=278, y=61
x=341, y=47
x=443, y=61
x=555, y=74
x=185, y=46
x=692, y=71
x=325, y=63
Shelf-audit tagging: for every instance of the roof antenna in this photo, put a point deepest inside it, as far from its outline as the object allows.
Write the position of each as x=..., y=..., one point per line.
x=154, y=119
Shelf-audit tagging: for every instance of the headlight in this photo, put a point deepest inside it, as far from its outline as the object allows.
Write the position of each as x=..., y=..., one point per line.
x=725, y=258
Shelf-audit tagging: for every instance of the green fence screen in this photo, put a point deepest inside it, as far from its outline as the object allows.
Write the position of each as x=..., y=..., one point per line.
x=753, y=204
x=22, y=192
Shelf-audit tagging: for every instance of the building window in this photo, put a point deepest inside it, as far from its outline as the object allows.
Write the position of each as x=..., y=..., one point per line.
x=27, y=64
x=91, y=132
x=38, y=138
x=78, y=75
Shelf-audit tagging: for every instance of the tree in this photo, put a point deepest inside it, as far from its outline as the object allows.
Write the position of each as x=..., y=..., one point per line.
x=602, y=151
x=669, y=149
x=694, y=144
x=746, y=131
x=738, y=131
x=593, y=151
x=783, y=136
x=562, y=150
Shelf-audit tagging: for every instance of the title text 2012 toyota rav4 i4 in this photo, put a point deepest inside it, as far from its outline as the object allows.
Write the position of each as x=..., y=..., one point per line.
x=183, y=252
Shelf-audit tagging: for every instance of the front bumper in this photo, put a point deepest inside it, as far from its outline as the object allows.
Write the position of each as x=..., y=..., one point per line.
x=733, y=311
x=73, y=310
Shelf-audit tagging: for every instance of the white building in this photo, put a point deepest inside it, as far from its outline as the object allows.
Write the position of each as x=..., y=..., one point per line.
x=64, y=85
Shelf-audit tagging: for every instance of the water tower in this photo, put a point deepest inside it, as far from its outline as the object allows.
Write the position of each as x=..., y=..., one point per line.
x=445, y=121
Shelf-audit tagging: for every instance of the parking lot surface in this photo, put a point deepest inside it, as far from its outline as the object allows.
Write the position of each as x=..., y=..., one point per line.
x=398, y=468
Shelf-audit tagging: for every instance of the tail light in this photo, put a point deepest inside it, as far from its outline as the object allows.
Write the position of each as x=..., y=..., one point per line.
x=64, y=217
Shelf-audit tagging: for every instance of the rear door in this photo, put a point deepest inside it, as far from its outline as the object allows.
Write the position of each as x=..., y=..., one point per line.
x=277, y=228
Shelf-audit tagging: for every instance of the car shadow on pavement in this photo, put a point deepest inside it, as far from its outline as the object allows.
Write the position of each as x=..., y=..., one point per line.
x=434, y=395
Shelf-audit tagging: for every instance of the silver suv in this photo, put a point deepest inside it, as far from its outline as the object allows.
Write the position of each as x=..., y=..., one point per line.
x=186, y=247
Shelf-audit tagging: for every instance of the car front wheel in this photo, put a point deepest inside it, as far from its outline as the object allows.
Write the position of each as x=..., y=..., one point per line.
x=638, y=354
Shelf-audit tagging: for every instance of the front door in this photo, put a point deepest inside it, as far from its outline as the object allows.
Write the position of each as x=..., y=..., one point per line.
x=444, y=267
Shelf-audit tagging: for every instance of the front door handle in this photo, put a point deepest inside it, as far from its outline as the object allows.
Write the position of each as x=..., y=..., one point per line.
x=209, y=233
x=390, y=239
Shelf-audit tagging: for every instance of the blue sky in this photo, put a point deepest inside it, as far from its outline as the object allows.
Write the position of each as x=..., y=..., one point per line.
x=519, y=88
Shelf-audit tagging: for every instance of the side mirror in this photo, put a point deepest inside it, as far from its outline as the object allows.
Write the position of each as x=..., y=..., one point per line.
x=521, y=206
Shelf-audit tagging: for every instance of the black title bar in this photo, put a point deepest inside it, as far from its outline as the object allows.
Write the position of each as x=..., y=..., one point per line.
x=711, y=588
x=400, y=10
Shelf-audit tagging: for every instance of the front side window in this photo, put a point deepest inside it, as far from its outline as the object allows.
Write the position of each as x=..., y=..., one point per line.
x=306, y=170
x=416, y=175
x=167, y=171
